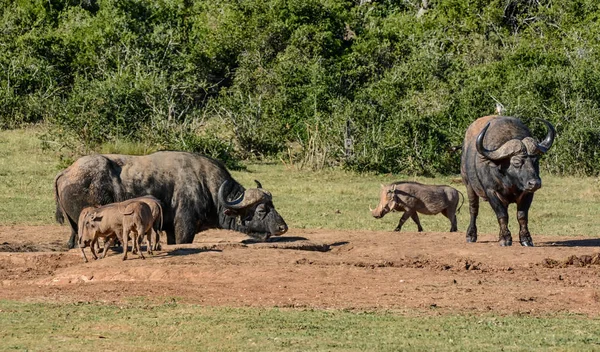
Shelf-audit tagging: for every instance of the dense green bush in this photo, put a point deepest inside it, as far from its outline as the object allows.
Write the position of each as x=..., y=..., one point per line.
x=292, y=78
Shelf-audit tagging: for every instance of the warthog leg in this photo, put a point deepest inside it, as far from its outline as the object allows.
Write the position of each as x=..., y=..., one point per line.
x=126, y=243
x=83, y=253
x=407, y=214
x=136, y=242
x=107, y=243
x=93, y=247
x=451, y=215
x=156, y=241
x=149, y=235
x=415, y=218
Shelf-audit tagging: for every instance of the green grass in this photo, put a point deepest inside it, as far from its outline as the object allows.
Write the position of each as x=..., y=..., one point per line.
x=174, y=327
x=326, y=199
x=26, y=177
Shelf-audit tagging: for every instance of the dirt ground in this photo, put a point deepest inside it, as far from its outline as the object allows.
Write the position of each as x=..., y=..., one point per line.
x=431, y=272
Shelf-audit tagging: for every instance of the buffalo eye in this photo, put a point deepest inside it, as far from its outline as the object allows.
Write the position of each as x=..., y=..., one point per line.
x=516, y=162
x=261, y=211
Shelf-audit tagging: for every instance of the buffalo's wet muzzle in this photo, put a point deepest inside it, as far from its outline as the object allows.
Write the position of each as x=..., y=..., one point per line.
x=281, y=230
x=533, y=185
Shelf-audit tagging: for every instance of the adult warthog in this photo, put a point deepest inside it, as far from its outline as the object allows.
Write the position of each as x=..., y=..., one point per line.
x=500, y=164
x=196, y=193
x=413, y=198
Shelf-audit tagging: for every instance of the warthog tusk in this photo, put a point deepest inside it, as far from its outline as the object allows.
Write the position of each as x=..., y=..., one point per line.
x=371, y=210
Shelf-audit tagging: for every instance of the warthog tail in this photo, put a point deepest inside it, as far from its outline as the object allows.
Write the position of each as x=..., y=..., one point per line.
x=463, y=201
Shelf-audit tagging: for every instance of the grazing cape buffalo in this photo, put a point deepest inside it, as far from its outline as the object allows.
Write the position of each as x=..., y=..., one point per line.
x=413, y=198
x=500, y=163
x=196, y=193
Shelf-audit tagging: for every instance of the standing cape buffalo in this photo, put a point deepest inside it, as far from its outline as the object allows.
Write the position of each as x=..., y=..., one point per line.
x=196, y=192
x=500, y=163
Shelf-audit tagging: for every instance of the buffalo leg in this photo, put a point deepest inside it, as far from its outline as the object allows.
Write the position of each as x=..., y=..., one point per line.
x=73, y=238
x=501, y=210
x=184, y=228
x=407, y=214
x=523, y=217
x=71, y=243
x=473, y=211
x=170, y=233
x=415, y=218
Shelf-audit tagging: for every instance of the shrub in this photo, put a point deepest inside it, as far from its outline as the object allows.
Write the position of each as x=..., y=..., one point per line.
x=285, y=79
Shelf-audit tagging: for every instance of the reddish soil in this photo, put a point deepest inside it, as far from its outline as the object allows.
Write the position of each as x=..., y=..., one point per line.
x=435, y=272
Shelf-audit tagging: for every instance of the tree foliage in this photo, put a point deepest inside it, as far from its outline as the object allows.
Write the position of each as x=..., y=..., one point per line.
x=287, y=78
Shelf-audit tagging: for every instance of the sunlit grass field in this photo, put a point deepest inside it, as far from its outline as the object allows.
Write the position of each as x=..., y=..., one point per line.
x=175, y=327
x=333, y=199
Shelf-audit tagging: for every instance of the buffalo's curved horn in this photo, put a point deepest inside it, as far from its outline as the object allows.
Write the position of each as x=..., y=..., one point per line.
x=510, y=148
x=544, y=145
x=249, y=197
x=258, y=185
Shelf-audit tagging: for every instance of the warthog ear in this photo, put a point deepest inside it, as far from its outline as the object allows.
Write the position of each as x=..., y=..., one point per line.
x=96, y=217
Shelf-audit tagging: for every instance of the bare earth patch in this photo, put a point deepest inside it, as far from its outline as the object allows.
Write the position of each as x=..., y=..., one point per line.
x=435, y=272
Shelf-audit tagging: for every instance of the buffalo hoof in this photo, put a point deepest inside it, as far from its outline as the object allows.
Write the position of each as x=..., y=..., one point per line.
x=506, y=242
x=471, y=239
x=397, y=229
x=527, y=243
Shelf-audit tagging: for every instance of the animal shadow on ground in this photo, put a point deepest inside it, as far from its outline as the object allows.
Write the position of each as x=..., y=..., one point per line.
x=282, y=239
x=588, y=242
x=188, y=251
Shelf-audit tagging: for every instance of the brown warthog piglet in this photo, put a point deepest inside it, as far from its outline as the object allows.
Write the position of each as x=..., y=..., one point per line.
x=116, y=220
x=89, y=232
x=137, y=219
x=157, y=217
x=413, y=198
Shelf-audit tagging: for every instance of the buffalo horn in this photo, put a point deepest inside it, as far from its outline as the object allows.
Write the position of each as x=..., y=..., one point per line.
x=544, y=145
x=249, y=197
x=510, y=148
